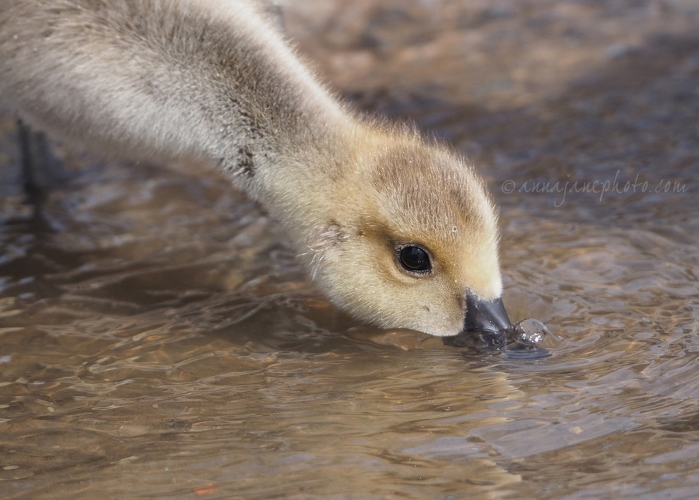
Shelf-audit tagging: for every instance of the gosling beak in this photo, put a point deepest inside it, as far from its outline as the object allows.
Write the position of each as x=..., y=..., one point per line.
x=487, y=316
x=485, y=325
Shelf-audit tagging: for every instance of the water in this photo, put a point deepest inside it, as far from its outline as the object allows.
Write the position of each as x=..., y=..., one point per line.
x=158, y=338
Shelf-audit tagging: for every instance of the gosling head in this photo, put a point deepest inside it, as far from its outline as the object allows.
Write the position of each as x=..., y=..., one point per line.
x=411, y=241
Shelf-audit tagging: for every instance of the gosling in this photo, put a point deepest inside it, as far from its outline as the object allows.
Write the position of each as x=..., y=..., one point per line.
x=397, y=230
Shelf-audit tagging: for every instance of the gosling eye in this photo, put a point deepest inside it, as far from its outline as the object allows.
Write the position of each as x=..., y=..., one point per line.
x=415, y=259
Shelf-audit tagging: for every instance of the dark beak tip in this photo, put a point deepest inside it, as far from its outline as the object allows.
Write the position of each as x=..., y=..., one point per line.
x=485, y=315
x=485, y=326
x=478, y=340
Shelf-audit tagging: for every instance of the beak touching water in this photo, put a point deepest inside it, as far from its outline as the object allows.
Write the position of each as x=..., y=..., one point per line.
x=485, y=325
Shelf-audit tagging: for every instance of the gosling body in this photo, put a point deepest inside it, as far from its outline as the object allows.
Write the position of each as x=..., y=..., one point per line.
x=216, y=79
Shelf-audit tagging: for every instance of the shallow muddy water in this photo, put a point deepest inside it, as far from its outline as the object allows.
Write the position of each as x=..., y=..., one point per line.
x=157, y=338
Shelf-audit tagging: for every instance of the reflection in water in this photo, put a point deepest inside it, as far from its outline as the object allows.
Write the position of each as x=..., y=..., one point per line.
x=158, y=338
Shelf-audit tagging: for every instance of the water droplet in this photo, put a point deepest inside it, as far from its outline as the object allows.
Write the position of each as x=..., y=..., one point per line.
x=530, y=331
